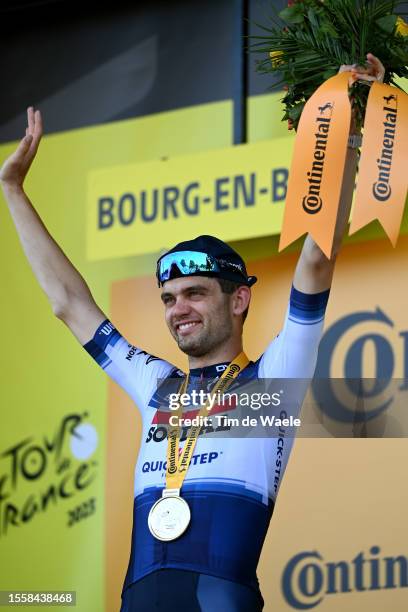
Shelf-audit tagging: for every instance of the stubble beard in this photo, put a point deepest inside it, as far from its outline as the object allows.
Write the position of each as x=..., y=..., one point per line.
x=207, y=340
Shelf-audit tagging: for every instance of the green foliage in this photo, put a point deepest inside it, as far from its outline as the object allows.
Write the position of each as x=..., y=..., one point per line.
x=311, y=39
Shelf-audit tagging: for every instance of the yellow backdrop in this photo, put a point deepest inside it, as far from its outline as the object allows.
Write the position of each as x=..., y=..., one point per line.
x=53, y=398
x=340, y=496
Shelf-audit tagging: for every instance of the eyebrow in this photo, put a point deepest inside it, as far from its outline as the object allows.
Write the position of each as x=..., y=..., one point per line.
x=202, y=288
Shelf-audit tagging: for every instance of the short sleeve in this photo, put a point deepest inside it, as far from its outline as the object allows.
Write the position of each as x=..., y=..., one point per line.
x=132, y=368
x=293, y=353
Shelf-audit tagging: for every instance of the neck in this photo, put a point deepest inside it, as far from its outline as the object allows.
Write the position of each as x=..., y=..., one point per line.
x=220, y=354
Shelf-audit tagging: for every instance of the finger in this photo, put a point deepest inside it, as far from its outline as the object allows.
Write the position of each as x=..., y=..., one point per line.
x=37, y=134
x=38, y=125
x=376, y=71
x=363, y=76
x=30, y=119
x=378, y=66
x=374, y=60
x=345, y=68
x=22, y=149
x=362, y=70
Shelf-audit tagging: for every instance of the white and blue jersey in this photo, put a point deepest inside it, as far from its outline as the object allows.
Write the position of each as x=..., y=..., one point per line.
x=232, y=483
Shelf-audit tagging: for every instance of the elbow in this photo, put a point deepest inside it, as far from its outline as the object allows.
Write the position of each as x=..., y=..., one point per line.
x=58, y=310
x=59, y=304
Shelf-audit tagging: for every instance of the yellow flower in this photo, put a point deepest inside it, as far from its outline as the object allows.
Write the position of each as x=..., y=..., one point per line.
x=276, y=58
x=402, y=27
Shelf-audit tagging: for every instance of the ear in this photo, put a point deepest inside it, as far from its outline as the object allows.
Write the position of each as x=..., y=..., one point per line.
x=240, y=299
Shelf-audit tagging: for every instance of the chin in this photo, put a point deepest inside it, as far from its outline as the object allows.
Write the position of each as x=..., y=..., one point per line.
x=192, y=349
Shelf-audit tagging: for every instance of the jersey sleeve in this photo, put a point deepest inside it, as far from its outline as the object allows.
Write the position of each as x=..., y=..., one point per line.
x=293, y=353
x=132, y=368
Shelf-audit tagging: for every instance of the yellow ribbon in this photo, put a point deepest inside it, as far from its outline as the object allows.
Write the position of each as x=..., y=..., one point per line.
x=177, y=467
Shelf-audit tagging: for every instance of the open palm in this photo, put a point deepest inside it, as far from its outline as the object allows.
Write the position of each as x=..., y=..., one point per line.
x=15, y=167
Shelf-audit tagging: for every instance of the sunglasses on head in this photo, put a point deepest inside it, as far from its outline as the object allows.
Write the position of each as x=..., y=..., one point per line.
x=191, y=262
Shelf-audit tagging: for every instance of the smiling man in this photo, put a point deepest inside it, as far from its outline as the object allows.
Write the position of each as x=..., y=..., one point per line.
x=200, y=520
x=202, y=503
x=198, y=313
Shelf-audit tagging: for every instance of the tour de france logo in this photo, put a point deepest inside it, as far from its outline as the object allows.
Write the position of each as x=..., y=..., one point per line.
x=48, y=471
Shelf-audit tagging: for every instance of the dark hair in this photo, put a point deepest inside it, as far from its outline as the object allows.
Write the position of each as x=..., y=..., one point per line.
x=229, y=287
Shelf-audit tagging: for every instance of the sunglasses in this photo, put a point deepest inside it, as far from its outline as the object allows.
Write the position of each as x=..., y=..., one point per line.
x=191, y=262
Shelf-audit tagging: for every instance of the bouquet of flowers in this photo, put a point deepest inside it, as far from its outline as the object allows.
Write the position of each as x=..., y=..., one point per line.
x=309, y=40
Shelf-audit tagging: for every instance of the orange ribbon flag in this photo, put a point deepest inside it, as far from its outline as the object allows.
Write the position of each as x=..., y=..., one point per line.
x=383, y=173
x=316, y=174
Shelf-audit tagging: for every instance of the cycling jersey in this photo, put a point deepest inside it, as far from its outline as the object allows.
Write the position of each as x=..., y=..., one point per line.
x=232, y=483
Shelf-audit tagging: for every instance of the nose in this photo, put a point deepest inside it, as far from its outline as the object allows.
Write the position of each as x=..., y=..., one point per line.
x=181, y=307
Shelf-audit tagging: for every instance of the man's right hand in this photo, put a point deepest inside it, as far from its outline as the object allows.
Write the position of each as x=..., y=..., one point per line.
x=16, y=167
x=67, y=291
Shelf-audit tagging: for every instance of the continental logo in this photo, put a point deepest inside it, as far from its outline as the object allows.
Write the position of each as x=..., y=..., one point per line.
x=312, y=202
x=233, y=370
x=347, y=342
x=172, y=459
x=186, y=451
x=307, y=578
x=382, y=187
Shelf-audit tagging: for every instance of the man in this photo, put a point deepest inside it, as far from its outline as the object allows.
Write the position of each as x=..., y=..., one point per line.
x=198, y=532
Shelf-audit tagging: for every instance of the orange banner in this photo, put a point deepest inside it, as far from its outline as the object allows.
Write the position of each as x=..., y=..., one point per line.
x=316, y=174
x=383, y=176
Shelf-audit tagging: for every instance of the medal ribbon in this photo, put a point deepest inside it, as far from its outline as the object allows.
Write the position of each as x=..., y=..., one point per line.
x=177, y=466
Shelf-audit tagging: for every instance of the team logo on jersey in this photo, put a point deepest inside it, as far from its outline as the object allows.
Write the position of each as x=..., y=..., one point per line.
x=198, y=459
x=133, y=350
x=158, y=433
x=107, y=329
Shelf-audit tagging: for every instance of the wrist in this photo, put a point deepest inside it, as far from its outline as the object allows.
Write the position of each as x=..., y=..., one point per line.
x=11, y=187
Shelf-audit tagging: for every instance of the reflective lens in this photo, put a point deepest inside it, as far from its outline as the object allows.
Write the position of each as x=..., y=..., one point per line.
x=186, y=263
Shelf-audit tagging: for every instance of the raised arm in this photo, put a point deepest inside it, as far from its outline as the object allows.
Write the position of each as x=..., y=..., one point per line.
x=68, y=293
x=314, y=271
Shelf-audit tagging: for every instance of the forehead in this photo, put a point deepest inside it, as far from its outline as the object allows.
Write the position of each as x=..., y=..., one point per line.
x=178, y=285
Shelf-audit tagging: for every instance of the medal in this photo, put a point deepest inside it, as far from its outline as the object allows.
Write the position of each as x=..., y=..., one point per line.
x=169, y=517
